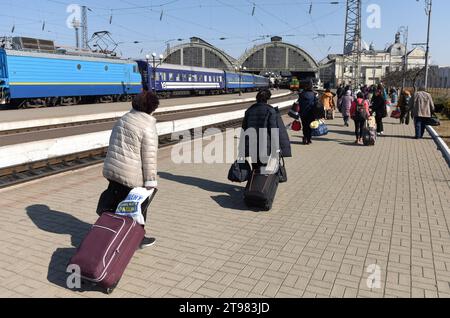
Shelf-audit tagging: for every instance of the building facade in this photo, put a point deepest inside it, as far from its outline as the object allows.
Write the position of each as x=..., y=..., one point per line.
x=375, y=64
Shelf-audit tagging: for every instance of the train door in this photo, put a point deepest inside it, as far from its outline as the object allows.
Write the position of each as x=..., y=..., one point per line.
x=127, y=78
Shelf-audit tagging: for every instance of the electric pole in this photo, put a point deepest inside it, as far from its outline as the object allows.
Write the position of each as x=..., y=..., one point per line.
x=429, y=4
x=352, y=44
x=405, y=58
x=84, y=27
x=76, y=26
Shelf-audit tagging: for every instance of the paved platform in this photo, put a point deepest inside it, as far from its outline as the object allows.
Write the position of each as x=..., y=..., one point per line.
x=344, y=208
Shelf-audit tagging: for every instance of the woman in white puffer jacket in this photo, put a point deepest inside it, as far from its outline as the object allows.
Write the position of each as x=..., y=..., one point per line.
x=132, y=155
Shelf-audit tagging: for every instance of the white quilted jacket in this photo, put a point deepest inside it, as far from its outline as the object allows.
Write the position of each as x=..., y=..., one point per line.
x=132, y=152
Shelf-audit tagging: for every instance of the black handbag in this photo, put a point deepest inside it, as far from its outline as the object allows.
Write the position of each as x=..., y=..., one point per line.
x=239, y=171
x=433, y=121
x=282, y=174
x=294, y=112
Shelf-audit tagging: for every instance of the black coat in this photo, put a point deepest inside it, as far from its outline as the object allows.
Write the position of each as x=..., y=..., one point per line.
x=309, y=104
x=379, y=106
x=264, y=116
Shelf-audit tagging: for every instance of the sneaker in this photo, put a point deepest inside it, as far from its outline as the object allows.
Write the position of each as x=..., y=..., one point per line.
x=147, y=241
x=382, y=132
x=378, y=134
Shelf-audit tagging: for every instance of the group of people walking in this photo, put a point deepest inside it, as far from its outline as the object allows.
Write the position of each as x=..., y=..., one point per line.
x=377, y=101
x=131, y=158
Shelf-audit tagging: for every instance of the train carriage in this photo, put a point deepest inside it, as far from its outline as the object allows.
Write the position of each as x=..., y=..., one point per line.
x=235, y=82
x=169, y=79
x=261, y=82
x=44, y=79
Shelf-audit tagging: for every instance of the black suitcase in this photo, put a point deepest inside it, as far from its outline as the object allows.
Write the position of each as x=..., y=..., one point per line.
x=260, y=190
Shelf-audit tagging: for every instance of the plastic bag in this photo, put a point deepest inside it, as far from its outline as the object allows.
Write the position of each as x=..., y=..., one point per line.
x=131, y=206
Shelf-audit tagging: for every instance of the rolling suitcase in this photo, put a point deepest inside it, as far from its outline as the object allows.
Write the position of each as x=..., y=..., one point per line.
x=107, y=249
x=261, y=189
x=369, y=136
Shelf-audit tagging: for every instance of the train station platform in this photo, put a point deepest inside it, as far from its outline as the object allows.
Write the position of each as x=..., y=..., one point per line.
x=347, y=214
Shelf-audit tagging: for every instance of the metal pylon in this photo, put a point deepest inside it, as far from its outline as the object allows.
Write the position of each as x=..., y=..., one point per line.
x=351, y=69
x=84, y=27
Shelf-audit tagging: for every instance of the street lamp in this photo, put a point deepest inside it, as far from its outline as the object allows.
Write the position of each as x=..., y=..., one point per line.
x=154, y=66
x=405, y=31
x=428, y=7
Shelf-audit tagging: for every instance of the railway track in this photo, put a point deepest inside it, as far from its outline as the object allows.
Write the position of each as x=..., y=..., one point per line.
x=15, y=175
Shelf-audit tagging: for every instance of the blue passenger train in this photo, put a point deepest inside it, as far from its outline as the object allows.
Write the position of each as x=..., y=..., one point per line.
x=37, y=79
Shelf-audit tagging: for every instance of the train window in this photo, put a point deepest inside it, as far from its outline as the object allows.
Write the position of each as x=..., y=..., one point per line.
x=210, y=78
x=135, y=69
x=170, y=76
x=178, y=77
x=106, y=67
x=184, y=77
x=206, y=78
x=157, y=76
x=195, y=78
x=79, y=66
x=163, y=76
x=190, y=78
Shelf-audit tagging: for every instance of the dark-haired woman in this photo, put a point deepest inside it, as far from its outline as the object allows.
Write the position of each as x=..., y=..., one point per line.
x=263, y=118
x=131, y=158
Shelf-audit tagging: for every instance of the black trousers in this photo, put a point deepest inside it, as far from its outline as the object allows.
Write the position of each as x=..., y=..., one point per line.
x=404, y=116
x=380, y=127
x=306, y=122
x=359, y=128
x=113, y=195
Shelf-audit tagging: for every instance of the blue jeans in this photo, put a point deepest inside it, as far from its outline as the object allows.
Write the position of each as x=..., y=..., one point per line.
x=419, y=124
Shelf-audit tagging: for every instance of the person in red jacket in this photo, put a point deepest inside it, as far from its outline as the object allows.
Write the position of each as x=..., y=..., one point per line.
x=359, y=112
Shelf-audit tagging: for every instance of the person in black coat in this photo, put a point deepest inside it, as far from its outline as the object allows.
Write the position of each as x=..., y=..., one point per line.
x=308, y=102
x=379, y=107
x=263, y=119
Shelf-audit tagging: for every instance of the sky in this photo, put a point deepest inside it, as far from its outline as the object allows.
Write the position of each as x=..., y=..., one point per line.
x=145, y=26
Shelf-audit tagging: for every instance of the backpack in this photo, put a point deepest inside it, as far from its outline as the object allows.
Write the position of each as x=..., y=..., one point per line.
x=360, y=113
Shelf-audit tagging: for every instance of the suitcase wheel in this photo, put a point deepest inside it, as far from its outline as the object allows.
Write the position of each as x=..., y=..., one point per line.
x=110, y=290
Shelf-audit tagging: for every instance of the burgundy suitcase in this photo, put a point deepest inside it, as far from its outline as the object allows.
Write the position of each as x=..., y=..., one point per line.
x=107, y=249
